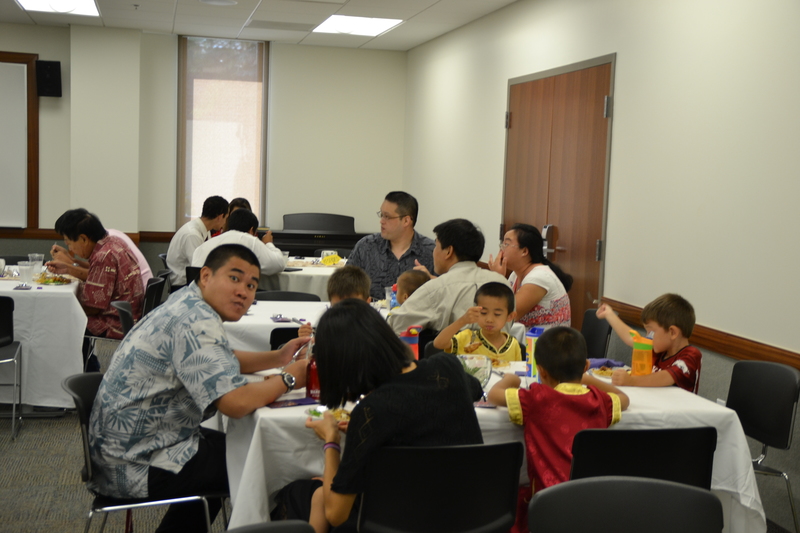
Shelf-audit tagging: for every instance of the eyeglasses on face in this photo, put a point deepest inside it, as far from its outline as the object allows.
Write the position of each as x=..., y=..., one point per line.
x=386, y=216
x=504, y=245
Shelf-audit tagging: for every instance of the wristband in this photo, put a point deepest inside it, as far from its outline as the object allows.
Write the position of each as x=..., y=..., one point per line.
x=331, y=445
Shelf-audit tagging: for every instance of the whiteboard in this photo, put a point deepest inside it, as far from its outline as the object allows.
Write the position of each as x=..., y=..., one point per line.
x=13, y=145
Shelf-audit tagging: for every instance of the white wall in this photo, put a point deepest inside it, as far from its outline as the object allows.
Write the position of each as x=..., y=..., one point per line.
x=52, y=44
x=704, y=162
x=336, y=127
x=158, y=132
x=105, y=124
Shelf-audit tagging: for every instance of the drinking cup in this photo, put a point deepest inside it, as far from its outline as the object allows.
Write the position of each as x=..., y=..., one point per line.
x=326, y=253
x=38, y=262
x=25, y=272
x=2, y=267
x=285, y=256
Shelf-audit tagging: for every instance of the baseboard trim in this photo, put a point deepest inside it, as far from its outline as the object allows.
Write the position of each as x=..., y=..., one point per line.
x=723, y=343
x=156, y=236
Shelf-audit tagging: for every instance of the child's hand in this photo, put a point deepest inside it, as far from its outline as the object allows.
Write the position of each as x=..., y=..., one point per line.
x=472, y=315
x=305, y=330
x=621, y=377
x=604, y=311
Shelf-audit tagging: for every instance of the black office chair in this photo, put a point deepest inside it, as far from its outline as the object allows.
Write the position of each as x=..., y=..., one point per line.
x=163, y=258
x=83, y=389
x=11, y=353
x=319, y=222
x=165, y=274
x=125, y=313
x=192, y=274
x=280, y=336
x=286, y=296
x=764, y=395
x=153, y=294
x=651, y=505
x=446, y=489
x=597, y=332
x=341, y=252
x=13, y=259
x=283, y=526
x=426, y=337
x=593, y=452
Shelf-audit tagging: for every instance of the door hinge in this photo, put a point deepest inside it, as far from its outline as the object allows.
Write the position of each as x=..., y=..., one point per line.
x=508, y=119
x=598, y=250
x=607, y=106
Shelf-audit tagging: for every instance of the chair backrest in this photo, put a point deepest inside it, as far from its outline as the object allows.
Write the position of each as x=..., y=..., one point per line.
x=280, y=336
x=125, y=313
x=322, y=222
x=6, y=320
x=14, y=259
x=83, y=389
x=426, y=338
x=163, y=258
x=639, y=504
x=464, y=489
x=283, y=526
x=192, y=274
x=597, y=332
x=690, y=461
x=165, y=274
x=764, y=395
x=286, y=296
x=153, y=294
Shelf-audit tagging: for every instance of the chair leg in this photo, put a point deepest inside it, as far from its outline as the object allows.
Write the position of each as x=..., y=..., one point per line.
x=129, y=521
x=208, y=514
x=16, y=400
x=791, y=501
x=225, y=512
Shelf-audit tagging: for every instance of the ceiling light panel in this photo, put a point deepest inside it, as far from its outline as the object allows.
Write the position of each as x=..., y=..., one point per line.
x=86, y=8
x=356, y=25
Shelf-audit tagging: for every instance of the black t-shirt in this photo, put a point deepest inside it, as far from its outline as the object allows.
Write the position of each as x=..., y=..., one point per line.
x=429, y=406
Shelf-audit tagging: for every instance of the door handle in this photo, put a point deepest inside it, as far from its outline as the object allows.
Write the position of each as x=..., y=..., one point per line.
x=549, y=240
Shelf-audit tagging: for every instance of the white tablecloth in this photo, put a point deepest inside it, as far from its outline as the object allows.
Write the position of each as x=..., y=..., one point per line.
x=253, y=331
x=272, y=447
x=50, y=323
x=311, y=279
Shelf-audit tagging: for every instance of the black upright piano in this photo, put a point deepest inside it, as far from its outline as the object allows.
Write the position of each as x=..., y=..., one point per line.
x=305, y=233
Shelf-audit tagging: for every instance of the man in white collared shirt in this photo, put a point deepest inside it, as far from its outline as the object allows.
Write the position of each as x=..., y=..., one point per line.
x=193, y=234
x=242, y=227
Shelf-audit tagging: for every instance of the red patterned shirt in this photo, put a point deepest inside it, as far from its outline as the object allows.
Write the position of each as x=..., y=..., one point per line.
x=684, y=367
x=113, y=275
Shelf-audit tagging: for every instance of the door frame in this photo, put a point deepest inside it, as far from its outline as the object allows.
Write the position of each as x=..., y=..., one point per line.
x=581, y=65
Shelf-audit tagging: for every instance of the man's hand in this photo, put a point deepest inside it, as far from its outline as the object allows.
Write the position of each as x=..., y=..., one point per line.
x=267, y=237
x=287, y=352
x=498, y=264
x=59, y=253
x=299, y=370
x=57, y=267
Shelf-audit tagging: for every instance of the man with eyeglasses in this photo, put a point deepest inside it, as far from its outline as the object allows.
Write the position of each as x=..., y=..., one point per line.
x=397, y=248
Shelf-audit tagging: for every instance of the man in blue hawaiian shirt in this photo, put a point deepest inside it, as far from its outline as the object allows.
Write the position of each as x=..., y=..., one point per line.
x=171, y=372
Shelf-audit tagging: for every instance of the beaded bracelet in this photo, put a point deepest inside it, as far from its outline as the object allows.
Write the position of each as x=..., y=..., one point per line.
x=331, y=445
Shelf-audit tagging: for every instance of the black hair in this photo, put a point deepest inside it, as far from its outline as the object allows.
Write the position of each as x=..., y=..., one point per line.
x=406, y=204
x=529, y=237
x=76, y=222
x=220, y=256
x=465, y=238
x=495, y=289
x=348, y=282
x=356, y=352
x=242, y=220
x=562, y=352
x=239, y=203
x=214, y=206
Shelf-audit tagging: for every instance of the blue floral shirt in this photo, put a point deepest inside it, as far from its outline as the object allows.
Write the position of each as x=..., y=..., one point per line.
x=161, y=385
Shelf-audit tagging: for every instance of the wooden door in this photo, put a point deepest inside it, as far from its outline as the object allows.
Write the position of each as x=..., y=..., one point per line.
x=556, y=163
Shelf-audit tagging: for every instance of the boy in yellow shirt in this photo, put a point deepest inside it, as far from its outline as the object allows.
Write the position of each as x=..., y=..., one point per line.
x=494, y=306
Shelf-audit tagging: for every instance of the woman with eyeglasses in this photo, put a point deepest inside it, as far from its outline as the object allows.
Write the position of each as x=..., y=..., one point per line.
x=540, y=287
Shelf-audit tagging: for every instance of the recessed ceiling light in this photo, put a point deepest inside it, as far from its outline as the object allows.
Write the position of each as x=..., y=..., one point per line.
x=356, y=25
x=220, y=2
x=64, y=7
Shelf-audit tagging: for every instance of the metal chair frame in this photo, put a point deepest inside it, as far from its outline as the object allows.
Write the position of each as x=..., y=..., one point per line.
x=9, y=345
x=83, y=389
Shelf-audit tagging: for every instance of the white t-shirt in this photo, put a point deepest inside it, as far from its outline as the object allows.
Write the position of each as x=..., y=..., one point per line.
x=268, y=254
x=554, y=308
x=182, y=247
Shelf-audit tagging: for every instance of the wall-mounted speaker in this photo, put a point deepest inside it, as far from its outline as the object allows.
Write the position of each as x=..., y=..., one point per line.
x=48, y=78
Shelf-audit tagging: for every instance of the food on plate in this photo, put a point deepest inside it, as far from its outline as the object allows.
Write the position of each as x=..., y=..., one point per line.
x=339, y=414
x=497, y=363
x=605, y=371
x=56, y=279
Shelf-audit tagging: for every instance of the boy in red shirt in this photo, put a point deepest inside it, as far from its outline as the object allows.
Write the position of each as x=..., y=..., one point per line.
x=670, y=320
x=553, y=412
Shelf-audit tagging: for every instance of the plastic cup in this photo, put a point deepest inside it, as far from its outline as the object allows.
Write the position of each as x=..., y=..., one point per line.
x=285, y=255
x=2, y=267
x=326, y=253
x=25, y=272
x=38, y=262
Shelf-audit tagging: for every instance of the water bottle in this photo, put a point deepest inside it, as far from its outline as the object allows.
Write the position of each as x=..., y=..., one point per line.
x=393, y=303
x=411, y=337
x=312, y=379
x=531, y=337
x=642, y=358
